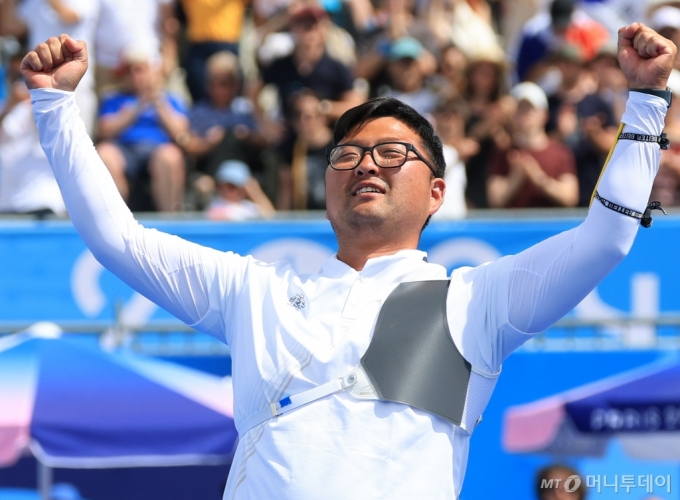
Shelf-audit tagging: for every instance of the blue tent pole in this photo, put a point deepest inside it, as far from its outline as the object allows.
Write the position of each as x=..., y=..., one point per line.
x=45, y=478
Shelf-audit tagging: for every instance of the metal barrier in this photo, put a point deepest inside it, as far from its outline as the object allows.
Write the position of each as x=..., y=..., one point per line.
x=568, y=335
x=153, y=339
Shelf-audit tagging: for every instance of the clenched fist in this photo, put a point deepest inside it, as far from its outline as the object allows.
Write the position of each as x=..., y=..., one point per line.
x=59, y=63
x=646, y=58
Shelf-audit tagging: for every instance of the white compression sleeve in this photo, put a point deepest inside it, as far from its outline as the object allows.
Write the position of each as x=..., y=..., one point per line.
x=552, y=277
x=182, y=277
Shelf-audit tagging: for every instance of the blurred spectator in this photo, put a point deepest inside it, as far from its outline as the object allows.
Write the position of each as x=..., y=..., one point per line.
x=665, y=19
x=515, y=15
x=10, y=48
x=145, y=22
x=407, y=76
x=211, y=27
x=550, y=484
x=536, y=171
x=273, y=43
x=310, y=67
x=612, y=85
x=27, y=184
x=394, y=19
x=449, y=121
x=223, y=106
x=546, y=31
x=612, y=14
x=42, y=19
x=490, y=112
x=451, y=80
x=224, y=114
x=137, y=127
x=239, y=196
x=302, y=178
x=581, y=119
x=468, y=24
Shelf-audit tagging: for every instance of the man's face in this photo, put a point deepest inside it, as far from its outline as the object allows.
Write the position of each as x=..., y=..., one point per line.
x=406, y=75
x=307, y=117
x=570, y=70
x=453, y=64
x=142, y=76
x=483, y=78
x=222, y=87
x=309, y=32
x=528, y=118
x=406, y=195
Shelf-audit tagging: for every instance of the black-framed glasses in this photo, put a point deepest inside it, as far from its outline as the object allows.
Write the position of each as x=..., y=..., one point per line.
x=385, y=155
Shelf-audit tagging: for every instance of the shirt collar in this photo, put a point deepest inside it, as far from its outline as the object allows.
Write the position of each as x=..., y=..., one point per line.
x=334, y=268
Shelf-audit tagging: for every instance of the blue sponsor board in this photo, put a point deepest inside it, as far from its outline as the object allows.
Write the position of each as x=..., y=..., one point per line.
x=47, y=273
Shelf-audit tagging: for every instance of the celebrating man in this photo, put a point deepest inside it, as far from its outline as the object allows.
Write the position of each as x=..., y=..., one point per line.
x=367, y=379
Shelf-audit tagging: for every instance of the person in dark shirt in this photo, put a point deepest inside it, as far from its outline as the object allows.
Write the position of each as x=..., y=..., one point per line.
x=302, y=177
x=536, y=171
x=310, y=67
x=487, y=123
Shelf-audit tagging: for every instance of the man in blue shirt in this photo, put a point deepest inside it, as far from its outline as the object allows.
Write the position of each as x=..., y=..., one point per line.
x=137, y=128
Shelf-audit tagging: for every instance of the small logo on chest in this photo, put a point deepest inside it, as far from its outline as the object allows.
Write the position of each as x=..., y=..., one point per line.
x=297, y=301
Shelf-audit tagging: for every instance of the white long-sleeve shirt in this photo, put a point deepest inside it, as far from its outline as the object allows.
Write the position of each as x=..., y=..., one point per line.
x=289, y=333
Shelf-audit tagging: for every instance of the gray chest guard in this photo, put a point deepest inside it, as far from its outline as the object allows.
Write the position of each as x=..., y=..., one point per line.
x=411, y=360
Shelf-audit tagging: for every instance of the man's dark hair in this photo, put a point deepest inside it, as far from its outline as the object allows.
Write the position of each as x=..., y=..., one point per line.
x=561, y=12
x=383, y=107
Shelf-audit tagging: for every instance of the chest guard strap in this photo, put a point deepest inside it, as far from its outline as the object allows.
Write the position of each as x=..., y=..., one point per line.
x=411, y=360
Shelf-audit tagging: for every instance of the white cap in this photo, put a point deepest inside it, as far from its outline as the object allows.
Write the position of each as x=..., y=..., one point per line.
x=665, y=17
x=528, y=91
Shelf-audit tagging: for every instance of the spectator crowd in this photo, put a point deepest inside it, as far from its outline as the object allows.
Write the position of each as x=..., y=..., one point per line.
x=228, y=106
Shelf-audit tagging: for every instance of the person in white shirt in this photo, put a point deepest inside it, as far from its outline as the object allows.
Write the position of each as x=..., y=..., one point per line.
x=291, y=333
x=42, y=19
x=27, y=184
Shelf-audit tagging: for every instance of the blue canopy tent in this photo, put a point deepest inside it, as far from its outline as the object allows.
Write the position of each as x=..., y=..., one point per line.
x=640, y=408
x=76, y=406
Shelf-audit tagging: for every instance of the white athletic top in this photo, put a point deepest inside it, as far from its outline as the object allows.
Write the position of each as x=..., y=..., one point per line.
x=289, y=333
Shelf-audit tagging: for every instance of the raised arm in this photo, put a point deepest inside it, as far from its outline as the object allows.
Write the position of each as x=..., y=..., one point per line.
x=524, y=294
x=188, y=280
x=549, y=279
